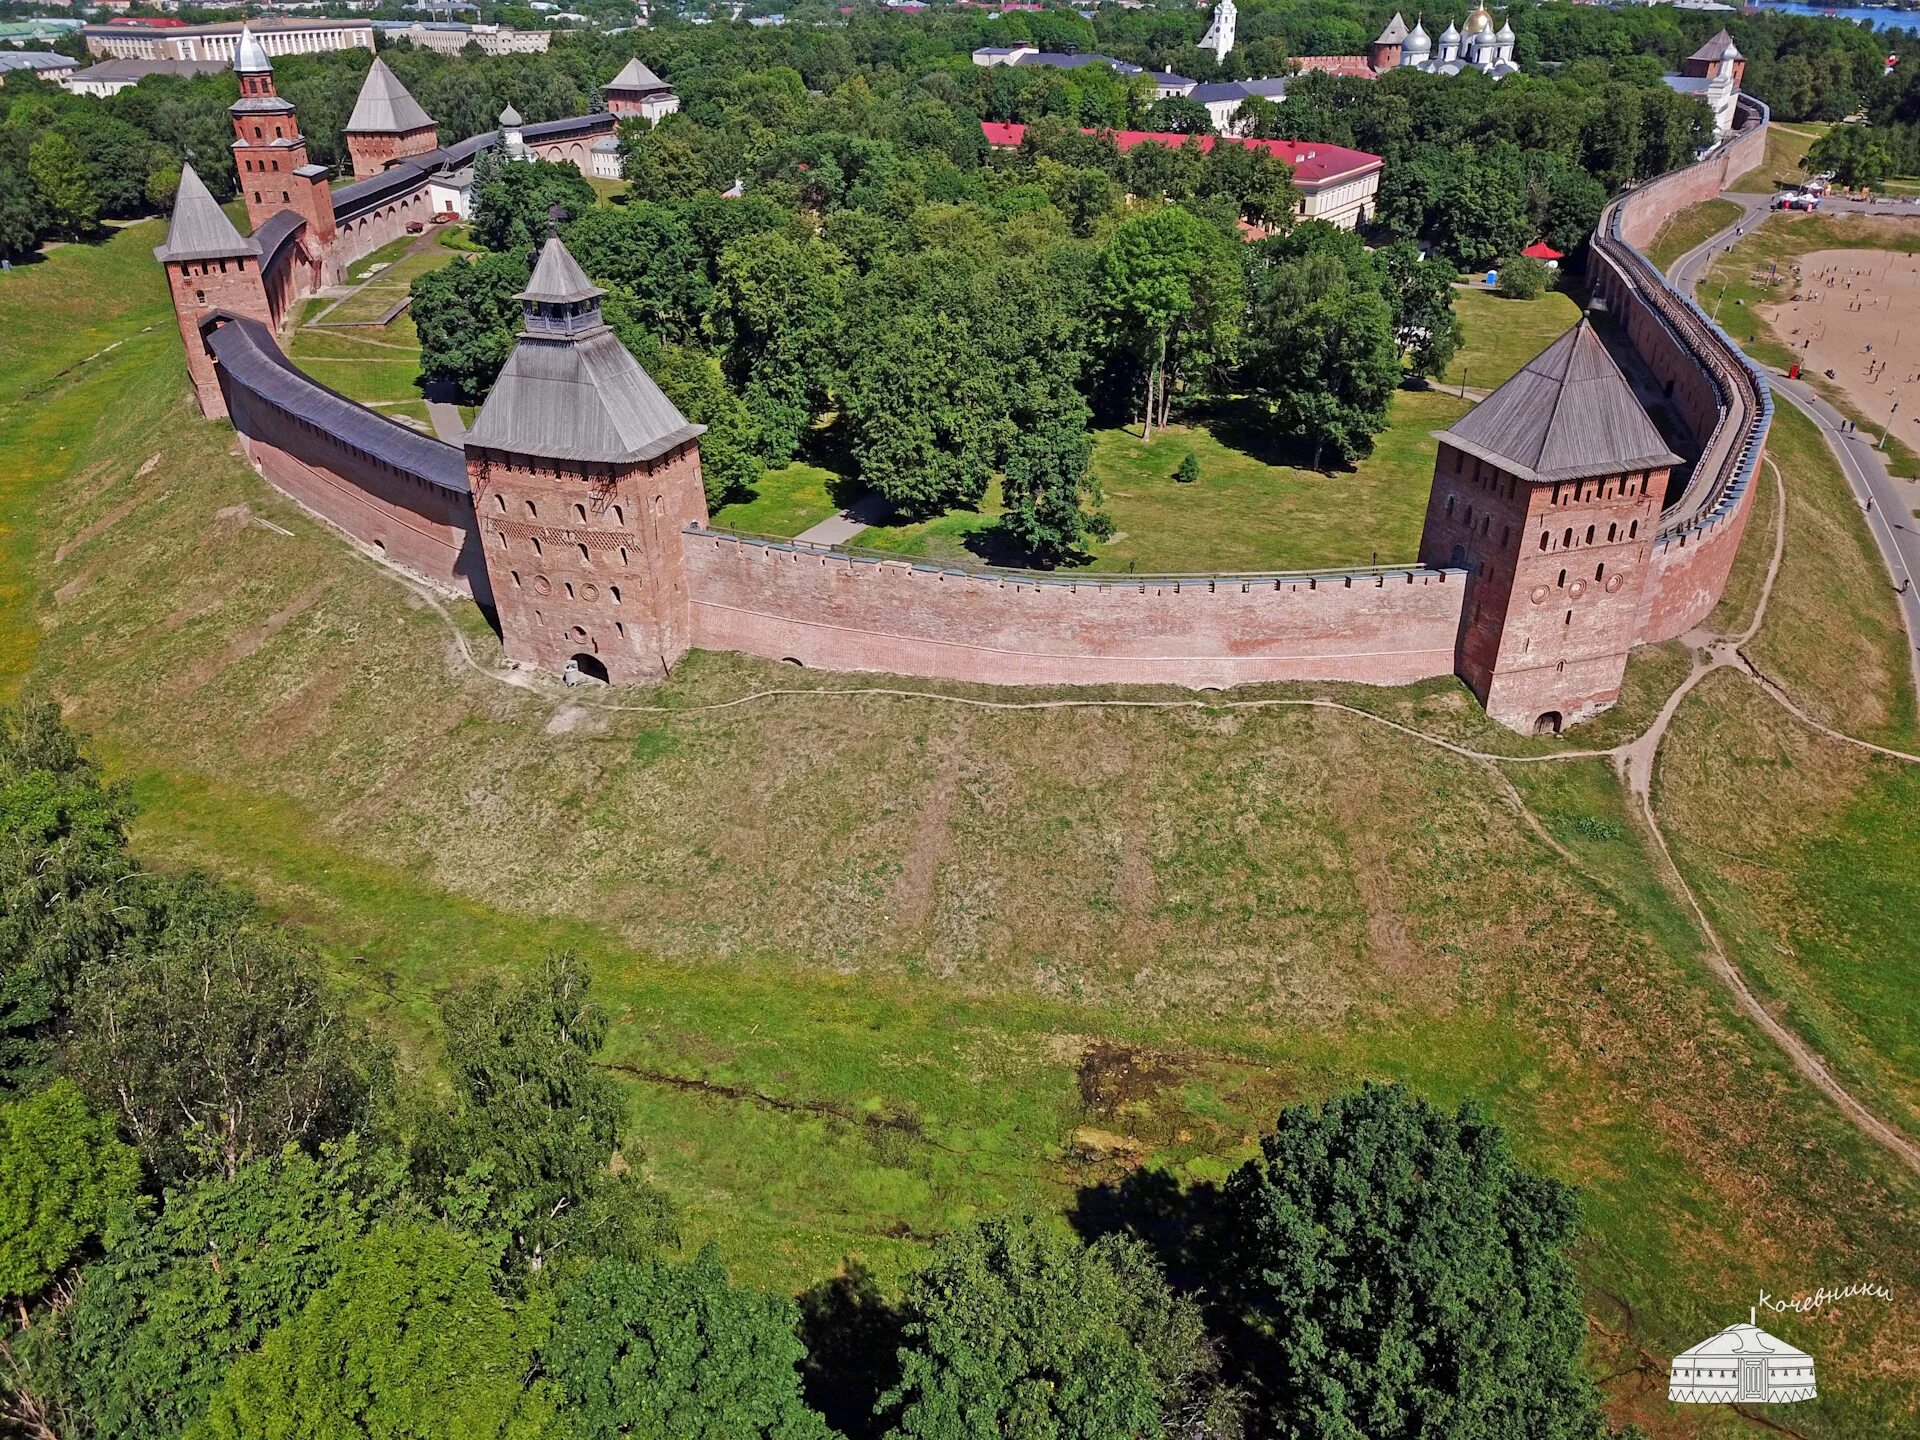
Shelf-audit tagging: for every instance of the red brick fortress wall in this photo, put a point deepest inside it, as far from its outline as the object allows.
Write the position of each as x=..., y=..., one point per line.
x=835, y=611
x=1723, y=396
x=398, y=492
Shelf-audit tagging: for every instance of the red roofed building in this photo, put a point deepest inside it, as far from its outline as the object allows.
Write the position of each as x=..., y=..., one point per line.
x=1336, y=184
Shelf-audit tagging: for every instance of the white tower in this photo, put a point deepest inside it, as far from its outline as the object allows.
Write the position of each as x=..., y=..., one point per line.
x=1219, y=37
x=511, y=141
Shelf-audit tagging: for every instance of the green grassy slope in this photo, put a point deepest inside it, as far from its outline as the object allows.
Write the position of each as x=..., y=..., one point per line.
x=880, y=964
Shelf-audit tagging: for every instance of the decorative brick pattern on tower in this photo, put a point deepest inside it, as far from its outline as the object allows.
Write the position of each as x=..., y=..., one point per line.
x=1549, y=492
x=584, y=477
x=209, y=266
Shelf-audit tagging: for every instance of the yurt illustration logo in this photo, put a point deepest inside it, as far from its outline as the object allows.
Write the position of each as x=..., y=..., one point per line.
x=1742, y=1364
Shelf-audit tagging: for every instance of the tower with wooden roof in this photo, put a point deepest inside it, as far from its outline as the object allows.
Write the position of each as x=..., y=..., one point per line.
x=210, y=266
x=269, y=152
x=387, y=123
x=584, y=477
x=637, y=91
x=1549, y=492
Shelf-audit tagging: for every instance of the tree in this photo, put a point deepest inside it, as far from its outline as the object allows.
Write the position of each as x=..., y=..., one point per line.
x=1170, y=289
x=466, y=317
x=776, y=316
x=156, y=1322
x=64, y=1176
x=408, y=1338
x=1523, y=278
x=1408, y=1277
x=63, y=186
x=1321, y=345
x=1420, y=293
x=657, y=1349
x=1048, y=480
x=63, y=873
x=525, y=1153
x=1016, y=1328
x=1188, y=470
x=213, y=1040
x=1855, y=155
x=646, y=254
x=512, y=204
x=1177, y=115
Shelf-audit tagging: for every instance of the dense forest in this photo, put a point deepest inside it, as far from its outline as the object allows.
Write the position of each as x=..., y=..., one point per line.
x=225, y=1211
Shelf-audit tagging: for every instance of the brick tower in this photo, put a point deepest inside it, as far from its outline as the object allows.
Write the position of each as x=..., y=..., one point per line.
x=210, y=266
x=584, y=476
x=270, y=153
x=387, y=124
x=1549, y=492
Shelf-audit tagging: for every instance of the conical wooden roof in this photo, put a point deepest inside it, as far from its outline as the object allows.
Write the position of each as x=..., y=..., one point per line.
x=1568, y=415
x=635, y=75
x=200, y=229
x=384, y=106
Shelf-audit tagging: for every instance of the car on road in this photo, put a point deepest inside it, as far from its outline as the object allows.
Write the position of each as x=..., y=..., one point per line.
x=1798, y=200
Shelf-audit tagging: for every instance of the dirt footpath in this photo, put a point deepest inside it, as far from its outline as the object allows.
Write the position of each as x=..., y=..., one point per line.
x=1857, y=313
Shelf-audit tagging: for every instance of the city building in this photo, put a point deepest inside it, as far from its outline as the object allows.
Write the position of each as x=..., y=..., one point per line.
x=126, y=40
x=1336, y=184
x=110, y=77
x=450, y=37
x=44, y=64
x=1165, y=83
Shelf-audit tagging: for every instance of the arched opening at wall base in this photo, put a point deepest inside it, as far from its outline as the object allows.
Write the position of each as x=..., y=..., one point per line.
x=590, y=667
x=1548, y=724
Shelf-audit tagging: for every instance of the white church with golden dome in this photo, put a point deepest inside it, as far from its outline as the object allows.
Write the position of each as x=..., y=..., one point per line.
x=1476, y=45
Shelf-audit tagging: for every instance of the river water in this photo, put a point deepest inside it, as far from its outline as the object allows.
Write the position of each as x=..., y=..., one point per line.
x=1879, y=19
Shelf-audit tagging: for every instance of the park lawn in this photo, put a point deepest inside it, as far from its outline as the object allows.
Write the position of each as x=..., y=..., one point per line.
x=1498, y=336
x=1245, y=513
x=784, y=502
x=368, y=267
x=1787, y=145
x=881, y=964
x=607, y=191
x=1690, y=227
x=1759, y=271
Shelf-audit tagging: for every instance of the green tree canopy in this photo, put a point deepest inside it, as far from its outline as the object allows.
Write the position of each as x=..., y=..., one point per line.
x=213, y=1040
x=407, y=1339
x=1016, y=1328
x=466, y=316
x=64, y=1176
x=512, y=201
x=675, y=1350
x=1409, y=1277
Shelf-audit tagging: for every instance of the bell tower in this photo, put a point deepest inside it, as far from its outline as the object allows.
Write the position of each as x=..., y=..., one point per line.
x=1549, y=493
x=584, y=475
x=270, y=153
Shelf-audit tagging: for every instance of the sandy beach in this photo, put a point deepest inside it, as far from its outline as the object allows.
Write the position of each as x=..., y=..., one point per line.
x=1857, y=313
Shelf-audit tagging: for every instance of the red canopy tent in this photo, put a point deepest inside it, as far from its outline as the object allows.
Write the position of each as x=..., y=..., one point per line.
x=1540, y=250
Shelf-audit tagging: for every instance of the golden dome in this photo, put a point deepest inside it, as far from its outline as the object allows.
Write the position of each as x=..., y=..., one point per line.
x=1478, y=20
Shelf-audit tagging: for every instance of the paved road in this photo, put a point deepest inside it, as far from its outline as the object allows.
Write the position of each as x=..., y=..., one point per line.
x=1889, y=503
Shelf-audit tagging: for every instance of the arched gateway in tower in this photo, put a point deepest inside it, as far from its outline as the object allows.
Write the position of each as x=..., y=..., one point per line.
x=584, y=475
x=1549, y=493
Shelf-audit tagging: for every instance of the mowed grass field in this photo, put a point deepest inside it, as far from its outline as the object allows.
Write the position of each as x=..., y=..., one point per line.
x=880, y=964
x=1498, y=335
